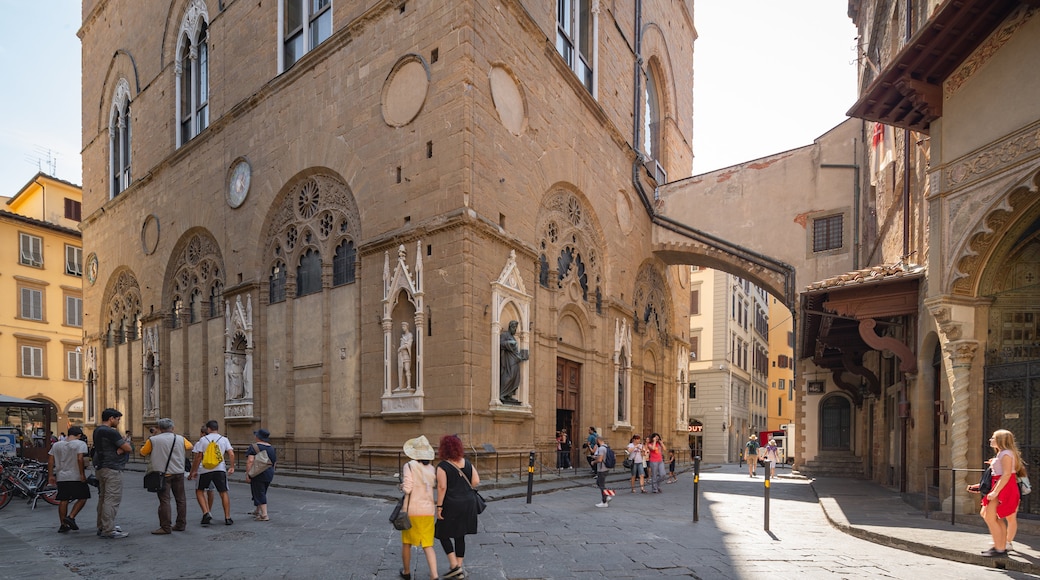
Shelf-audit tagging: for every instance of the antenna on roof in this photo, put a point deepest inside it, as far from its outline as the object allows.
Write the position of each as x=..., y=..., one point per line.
x=44, y=158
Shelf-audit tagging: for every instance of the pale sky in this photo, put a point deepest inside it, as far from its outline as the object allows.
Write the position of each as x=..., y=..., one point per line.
x=40, y=99
x=768, y=76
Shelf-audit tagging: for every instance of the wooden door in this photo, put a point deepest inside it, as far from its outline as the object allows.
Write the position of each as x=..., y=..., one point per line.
x=648, y=408
x=568, y=390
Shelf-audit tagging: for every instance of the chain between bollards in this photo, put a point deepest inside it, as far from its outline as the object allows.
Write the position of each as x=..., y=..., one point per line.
x=696, y=488
x=767, y=501
x=530, y=477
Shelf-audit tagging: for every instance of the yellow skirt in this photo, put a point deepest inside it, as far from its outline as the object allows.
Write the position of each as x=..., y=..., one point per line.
x=421, y=532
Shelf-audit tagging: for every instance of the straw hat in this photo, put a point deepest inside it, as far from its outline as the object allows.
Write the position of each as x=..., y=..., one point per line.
x=419, y=448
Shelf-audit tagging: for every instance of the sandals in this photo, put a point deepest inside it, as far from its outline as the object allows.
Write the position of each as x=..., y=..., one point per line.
x=642, y=489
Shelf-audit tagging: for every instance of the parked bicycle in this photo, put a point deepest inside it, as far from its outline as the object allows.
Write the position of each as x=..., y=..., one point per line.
x=27, y=479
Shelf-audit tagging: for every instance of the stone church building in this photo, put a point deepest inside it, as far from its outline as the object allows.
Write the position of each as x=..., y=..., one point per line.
x=322, y=217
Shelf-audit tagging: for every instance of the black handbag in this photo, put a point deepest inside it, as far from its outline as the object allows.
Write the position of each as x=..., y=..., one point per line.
x=155, y=480
x=986, y=483
x=478, y=500
x=628, y=463
x=399, y=517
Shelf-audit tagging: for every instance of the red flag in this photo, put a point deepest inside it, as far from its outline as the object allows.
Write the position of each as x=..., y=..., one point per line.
x=878, y=136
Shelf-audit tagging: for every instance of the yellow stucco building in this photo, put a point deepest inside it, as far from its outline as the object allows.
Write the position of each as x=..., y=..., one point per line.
x=780, y=403
x=41, y=273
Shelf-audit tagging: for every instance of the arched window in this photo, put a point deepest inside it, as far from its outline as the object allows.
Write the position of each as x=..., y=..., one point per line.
x=343, y=264
x=193, y=77
x=622, y=389
x=195, y=306
x=175, y=312
x=308, y=274
x=277, y=283
x=119, y=139
x=651, y=119
x=216, y=299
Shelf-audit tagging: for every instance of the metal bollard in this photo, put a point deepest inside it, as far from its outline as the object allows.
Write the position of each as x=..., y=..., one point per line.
x=530, y=477
x=696, y=488
x=767, y=501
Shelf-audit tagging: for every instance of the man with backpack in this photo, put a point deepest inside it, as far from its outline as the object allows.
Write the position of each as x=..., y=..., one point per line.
x=751, y=455
x=210, y=468
x=111, y=453
x=603, y=459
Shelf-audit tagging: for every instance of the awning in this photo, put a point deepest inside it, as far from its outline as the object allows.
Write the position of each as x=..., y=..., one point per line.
x=6, y=400
x=908, y=92
x=844, y=317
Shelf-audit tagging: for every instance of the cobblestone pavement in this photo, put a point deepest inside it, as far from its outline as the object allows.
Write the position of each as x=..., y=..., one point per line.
x=560, y=535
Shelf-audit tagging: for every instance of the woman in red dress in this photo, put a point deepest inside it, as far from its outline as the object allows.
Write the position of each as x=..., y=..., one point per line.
x=1002, y=500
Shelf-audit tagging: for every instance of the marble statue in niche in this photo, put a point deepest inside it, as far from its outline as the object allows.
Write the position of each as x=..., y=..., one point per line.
x=404, y=359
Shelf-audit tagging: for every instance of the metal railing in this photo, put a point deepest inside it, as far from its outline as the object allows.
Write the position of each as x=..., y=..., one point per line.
x=953, y=488
x=381, y=464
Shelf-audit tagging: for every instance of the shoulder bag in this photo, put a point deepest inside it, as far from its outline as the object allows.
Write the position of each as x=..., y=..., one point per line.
x=399, y=517
x=478, y=500
x=1024, y=488
x=261, y=462
x=155, y=480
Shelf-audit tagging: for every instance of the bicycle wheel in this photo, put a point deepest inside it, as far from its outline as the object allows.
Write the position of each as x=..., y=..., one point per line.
x=5, y=494
x=50, y=495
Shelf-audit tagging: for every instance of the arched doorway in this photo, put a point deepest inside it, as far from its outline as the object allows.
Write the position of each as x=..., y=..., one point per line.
x=836, y=424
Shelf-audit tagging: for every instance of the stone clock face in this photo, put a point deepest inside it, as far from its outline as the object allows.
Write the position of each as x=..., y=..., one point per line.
x=238, y=185
x=92, y=268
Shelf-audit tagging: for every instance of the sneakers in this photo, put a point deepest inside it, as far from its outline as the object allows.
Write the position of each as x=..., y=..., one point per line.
x=602, y=504
x=992, y=552
x=63, y=529
x=609, y=498
x=228, y=521
x=117, y=535
x=118, y=529
x=455, y=572
x=71, y=523
x=206, y=519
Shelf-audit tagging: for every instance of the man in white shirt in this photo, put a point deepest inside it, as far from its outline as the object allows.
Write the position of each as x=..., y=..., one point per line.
x=65, y=469
x=213, y=475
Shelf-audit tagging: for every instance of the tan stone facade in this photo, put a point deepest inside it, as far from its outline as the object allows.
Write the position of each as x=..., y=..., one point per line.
x=432, y=164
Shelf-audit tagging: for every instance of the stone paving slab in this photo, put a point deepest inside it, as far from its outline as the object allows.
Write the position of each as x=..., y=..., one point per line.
x=344, y=534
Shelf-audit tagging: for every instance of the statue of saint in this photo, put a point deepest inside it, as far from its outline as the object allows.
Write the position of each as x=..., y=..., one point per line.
x=236, y=377
x=509, y=364
x=150, y=401
x=404, y=359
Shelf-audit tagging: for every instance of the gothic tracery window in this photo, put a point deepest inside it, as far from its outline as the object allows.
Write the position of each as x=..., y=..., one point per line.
x=192, y=71
x=317, y=217
x=569, y=242
x=197, y=286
